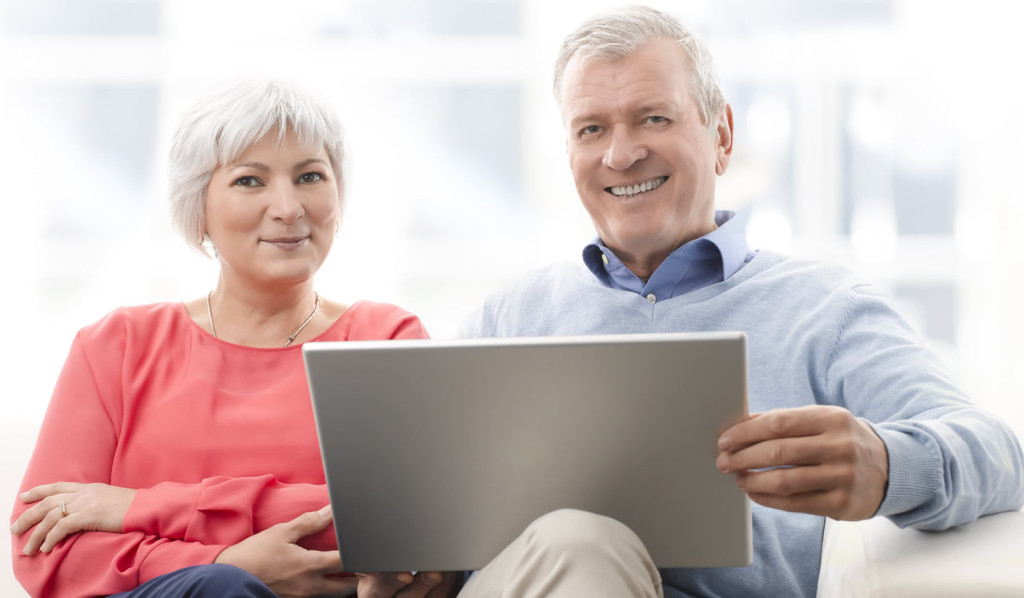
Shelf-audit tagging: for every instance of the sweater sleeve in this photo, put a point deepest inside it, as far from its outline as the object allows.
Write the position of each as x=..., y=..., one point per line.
x=76, y=443
x=949, y=460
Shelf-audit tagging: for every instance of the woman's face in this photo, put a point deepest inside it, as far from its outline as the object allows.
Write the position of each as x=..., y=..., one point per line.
x=272, y=212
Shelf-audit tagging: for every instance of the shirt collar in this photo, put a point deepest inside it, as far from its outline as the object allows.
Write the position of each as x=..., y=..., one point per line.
x=723, y=250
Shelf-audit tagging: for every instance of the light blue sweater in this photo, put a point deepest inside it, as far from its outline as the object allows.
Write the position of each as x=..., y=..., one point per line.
x=815, y=335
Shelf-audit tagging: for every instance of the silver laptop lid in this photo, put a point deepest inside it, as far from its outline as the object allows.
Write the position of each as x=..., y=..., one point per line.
x=439, y=453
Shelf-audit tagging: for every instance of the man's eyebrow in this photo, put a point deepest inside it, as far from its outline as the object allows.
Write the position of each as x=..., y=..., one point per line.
x=575, y=121
x=657, y=107
x=660, y=107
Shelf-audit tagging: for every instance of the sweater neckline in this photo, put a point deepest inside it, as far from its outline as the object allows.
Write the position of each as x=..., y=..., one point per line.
x=762, y=260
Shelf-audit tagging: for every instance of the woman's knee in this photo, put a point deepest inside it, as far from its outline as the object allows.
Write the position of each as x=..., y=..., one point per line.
x=221, y=580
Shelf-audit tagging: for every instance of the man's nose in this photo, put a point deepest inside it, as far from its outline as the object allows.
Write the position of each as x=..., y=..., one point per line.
x=625, y=148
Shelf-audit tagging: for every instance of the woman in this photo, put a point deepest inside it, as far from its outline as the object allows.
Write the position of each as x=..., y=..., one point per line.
x=181, y=434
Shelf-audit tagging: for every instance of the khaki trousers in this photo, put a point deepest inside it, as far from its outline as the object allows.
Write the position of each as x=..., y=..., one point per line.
x=569, y=553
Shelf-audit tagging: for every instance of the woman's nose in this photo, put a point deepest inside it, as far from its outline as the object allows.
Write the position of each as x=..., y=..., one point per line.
x=285, y=204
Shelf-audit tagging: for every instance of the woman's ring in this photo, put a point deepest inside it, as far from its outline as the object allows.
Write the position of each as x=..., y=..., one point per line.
x=63, y=509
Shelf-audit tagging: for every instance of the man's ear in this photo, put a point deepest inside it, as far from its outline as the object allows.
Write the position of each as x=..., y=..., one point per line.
x=724, y=150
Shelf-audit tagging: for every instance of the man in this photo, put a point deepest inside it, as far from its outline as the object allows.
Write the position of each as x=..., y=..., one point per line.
x=854, y=417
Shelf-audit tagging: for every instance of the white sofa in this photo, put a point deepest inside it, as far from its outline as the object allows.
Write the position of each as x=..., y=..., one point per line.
x=876, y=558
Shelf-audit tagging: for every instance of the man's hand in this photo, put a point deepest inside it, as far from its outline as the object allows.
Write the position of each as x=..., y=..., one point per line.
x=288, y=569
x=425, y=584
x=817, y=459
x=86, y=507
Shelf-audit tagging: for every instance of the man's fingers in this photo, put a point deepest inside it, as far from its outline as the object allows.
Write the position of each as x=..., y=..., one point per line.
x=777, y=453
x=814, y=503
x=788, y=481
x=781, y=423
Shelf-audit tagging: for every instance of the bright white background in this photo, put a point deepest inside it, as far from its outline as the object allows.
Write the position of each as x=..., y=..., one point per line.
x=882, y=134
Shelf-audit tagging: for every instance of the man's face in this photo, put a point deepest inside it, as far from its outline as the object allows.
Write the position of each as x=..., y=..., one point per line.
x=643, y=161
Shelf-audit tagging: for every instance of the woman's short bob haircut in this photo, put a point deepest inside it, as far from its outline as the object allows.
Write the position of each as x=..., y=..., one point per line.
x=221, y=126
x=617, y=34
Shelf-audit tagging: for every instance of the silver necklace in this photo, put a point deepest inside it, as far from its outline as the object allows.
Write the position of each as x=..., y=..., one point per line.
x=312, y=314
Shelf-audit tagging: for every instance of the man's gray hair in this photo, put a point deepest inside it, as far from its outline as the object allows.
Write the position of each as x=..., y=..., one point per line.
x=617, y=34
x=221, y=126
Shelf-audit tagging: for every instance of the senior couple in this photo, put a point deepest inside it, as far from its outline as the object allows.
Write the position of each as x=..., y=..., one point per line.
x=178, y=456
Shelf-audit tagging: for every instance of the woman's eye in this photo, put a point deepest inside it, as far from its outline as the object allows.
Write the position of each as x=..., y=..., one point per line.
x=246, y=181
x=311, y=177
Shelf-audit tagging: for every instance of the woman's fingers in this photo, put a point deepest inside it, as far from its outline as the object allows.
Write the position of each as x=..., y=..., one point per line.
x=65, y=508
x=41, y=529
x=46, y=499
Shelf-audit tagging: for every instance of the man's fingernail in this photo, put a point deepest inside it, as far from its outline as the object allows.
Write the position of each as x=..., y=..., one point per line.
x=432, y=578
x=722, y=463
x=724, y=443
x=326, y=511
x=405, y=578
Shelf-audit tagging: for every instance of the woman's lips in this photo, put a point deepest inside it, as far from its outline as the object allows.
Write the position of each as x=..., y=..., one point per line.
x=286, y=242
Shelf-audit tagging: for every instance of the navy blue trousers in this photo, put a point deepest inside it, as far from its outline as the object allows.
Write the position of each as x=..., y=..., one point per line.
x=202, y=581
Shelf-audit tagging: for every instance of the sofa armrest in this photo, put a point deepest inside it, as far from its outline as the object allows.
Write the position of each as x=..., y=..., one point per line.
x=876, y=558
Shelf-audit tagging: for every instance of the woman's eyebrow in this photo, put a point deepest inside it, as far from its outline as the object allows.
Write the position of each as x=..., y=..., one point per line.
x=250, y=164
x=306, y=163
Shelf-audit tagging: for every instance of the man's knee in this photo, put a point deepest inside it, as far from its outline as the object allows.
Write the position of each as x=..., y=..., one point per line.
x=575, y=532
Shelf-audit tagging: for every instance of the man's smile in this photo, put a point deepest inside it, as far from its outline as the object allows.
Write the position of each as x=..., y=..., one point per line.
x=630, y=190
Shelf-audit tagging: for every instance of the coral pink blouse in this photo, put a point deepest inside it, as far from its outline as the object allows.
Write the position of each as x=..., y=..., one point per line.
x=218, y=438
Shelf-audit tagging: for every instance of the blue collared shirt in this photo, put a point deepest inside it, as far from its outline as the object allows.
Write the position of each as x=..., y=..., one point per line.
x=697, y=264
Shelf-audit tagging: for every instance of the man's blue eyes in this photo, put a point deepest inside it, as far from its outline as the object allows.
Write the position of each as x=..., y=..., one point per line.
x=594, y=129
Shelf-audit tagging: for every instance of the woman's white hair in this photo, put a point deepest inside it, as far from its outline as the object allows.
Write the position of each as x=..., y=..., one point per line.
x=616, y=34
x=221, y=126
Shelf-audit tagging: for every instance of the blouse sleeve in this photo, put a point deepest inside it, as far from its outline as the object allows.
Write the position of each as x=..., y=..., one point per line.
x=76, y=443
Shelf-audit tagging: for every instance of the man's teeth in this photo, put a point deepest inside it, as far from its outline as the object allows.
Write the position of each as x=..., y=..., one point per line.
x=640, y=188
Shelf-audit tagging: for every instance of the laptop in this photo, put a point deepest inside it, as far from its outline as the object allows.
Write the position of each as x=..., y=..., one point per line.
x=439, y=453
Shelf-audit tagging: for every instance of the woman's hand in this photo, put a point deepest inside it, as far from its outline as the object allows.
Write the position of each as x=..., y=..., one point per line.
x=65, y=508
x=424, y=584
x=274, y=556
